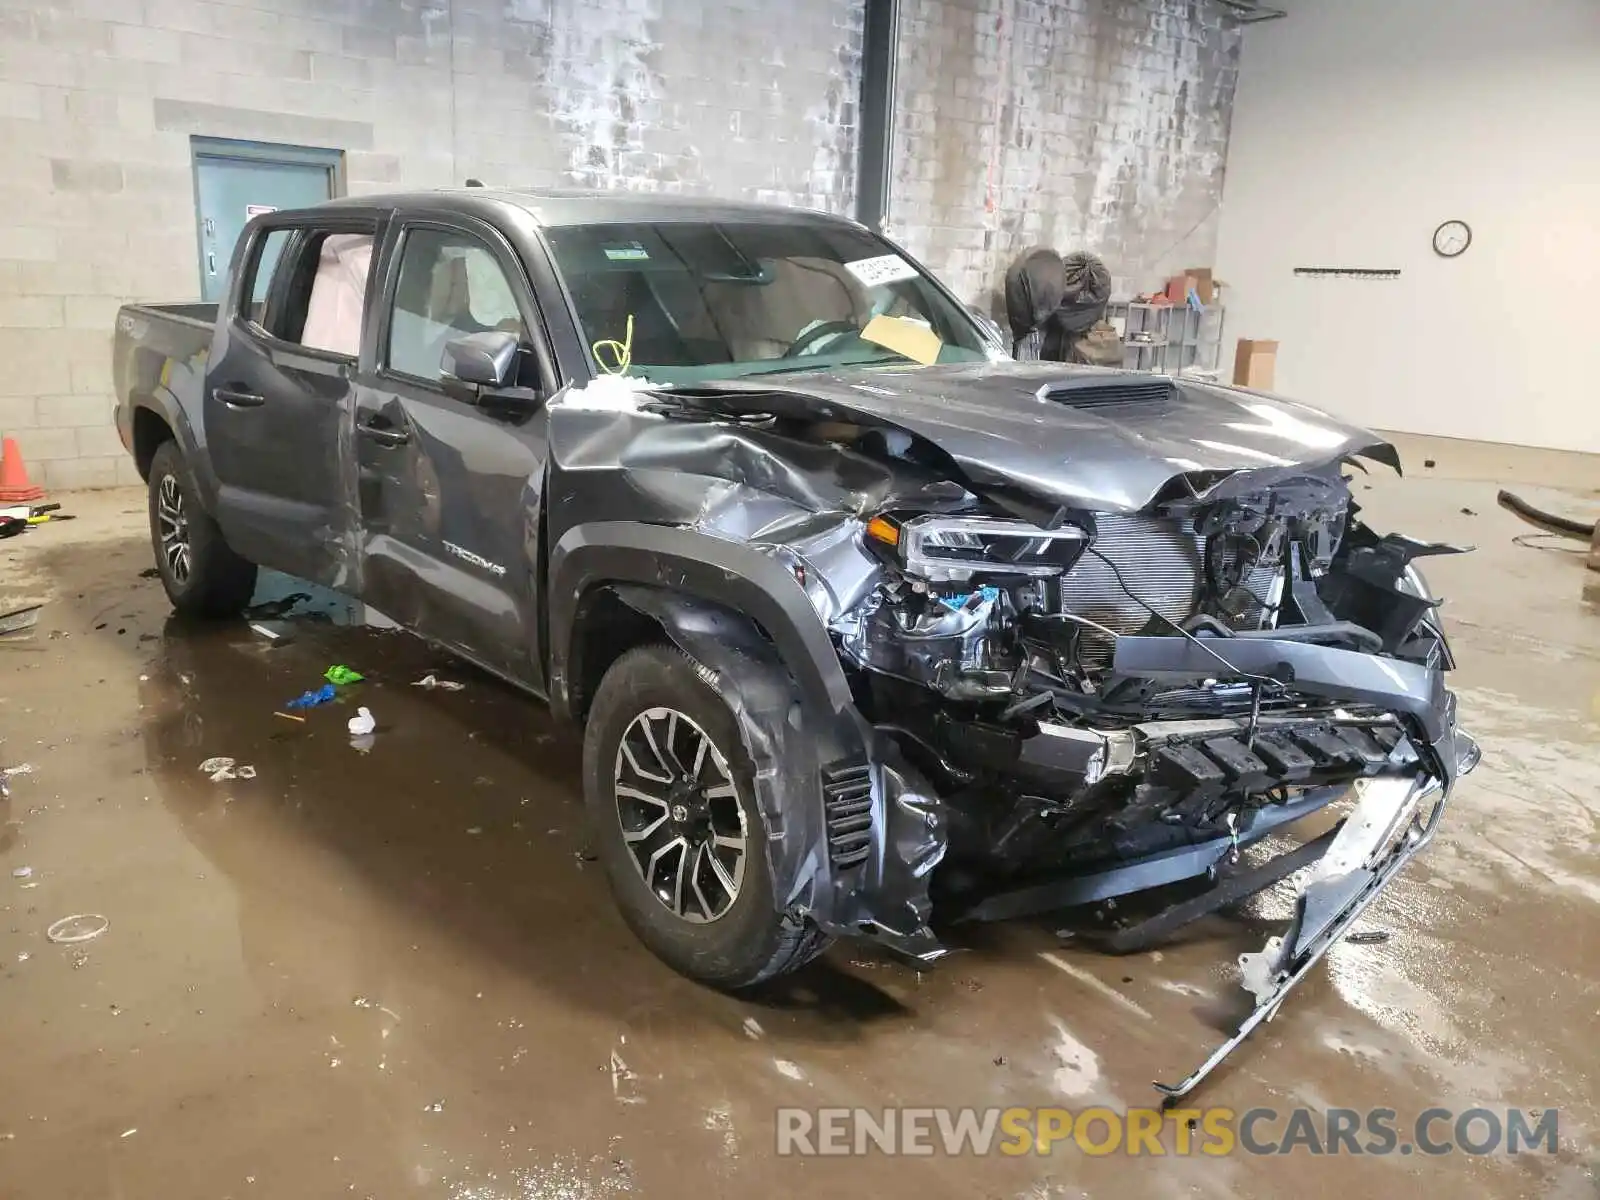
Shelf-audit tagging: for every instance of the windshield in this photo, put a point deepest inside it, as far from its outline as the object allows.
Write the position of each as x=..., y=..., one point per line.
x=690, y=301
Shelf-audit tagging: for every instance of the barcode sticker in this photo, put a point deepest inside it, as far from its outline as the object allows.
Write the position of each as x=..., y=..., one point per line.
x=886, y=268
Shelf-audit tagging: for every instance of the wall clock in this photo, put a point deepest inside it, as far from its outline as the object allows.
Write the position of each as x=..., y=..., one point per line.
x=1452, y=239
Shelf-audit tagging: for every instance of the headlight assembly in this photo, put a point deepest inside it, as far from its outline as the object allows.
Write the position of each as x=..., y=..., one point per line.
x=954, y=549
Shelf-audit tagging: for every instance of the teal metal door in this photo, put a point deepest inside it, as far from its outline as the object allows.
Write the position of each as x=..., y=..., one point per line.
x=237, y=181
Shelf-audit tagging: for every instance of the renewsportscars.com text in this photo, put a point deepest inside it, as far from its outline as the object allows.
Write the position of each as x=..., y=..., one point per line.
x=1215, y=1132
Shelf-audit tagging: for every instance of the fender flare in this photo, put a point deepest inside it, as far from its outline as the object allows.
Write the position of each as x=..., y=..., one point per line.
x=742, y=614
x=730, y=574
x=170, y=409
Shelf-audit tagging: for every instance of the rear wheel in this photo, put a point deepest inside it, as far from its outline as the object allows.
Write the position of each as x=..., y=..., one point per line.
x=670, y=796
x=202, y=576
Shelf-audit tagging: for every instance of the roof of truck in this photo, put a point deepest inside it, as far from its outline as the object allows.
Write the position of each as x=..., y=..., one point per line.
x=561, y=206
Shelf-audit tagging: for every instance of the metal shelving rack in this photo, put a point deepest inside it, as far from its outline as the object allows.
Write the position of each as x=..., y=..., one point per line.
x=1166, y=339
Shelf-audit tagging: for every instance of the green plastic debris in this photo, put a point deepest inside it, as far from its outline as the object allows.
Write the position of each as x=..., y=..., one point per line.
x=341, y=675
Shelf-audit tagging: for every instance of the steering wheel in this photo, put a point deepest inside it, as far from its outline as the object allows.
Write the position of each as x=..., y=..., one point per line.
x=817, y=333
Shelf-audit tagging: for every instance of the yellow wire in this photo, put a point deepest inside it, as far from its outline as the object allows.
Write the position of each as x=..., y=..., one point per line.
x=621, y=352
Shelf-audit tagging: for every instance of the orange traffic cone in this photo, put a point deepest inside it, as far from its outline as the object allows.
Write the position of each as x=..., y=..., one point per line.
x=14, y=485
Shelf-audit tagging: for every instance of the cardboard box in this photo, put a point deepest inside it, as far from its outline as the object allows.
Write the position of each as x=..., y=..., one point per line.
x=1178, y=288
x=1255, y=363
x=1204, y=285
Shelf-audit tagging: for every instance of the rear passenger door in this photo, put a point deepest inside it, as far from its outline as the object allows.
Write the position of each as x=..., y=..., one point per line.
x=450, y=490
x=280, y=394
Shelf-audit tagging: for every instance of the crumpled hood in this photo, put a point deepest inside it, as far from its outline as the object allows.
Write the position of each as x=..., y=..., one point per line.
x=1085, y=437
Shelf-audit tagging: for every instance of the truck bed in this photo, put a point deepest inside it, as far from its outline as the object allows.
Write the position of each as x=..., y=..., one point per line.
x=187, y=312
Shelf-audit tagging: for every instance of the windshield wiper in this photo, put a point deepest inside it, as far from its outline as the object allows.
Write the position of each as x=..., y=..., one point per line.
x=882, y=360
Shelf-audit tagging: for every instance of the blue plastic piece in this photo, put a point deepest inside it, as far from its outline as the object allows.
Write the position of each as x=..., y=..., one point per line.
x=956, y=601
x=322, y=695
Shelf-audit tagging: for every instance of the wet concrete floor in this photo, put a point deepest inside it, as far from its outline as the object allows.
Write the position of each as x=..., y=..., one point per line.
x=397, y=973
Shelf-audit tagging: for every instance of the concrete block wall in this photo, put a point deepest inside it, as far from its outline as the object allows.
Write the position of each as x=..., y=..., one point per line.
x=1079, y=124
x=99, y=99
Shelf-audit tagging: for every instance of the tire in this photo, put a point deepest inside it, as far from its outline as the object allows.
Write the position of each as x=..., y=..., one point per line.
x=750, y=939
x=203, y=577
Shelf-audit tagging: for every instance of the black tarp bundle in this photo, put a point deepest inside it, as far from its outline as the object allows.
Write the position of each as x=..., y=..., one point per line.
x=1052, y=302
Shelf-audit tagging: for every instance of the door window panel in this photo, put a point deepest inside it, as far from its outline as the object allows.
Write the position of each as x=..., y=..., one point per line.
x=269, y=249
x=323, y=299
x=450, y=286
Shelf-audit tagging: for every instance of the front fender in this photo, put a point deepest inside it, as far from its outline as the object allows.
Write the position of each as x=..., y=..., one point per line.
x=682, y=561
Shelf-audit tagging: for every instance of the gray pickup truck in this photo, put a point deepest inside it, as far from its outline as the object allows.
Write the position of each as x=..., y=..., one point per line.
x=869, y=629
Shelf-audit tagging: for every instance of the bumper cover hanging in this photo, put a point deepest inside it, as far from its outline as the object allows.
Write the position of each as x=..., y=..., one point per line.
x=1384, y=832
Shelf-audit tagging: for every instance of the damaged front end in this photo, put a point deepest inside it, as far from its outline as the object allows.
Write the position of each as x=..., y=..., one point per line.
x=1111, y=703
x=1069, y=682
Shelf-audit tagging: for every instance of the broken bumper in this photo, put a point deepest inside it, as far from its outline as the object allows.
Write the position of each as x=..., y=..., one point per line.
x=1399, y=806
x=1393, y=819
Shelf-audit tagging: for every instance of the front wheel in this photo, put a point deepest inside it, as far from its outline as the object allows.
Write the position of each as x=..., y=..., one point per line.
x=202, y=576
x=669, y=790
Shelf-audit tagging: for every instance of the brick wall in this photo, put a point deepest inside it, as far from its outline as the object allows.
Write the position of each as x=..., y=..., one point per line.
x=1078, y=124
x=1095, y=123
x=98, y=99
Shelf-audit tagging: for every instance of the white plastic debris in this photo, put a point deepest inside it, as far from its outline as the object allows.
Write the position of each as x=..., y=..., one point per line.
x=222, y=770
x=433, y=681
x=21, y=872
x=608, y=393
x=80, y=927
x=436, y=1106
x=362, y=723
x=7, y=773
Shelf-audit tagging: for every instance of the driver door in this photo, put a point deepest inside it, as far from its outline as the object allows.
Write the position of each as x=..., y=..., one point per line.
x=449, y=491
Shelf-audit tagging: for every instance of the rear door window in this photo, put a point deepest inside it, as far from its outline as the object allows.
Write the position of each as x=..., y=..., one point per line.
x=309, y=286
x=269, y=251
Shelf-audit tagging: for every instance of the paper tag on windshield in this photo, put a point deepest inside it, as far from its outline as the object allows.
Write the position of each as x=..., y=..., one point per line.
x=886, y=268
x=627, y=252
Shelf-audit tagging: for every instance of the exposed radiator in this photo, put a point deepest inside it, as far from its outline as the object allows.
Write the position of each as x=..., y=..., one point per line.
x=1162, y=561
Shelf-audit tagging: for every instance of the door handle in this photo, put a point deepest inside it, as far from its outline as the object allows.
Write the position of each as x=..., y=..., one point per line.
x=238, y=399
x=384, y=435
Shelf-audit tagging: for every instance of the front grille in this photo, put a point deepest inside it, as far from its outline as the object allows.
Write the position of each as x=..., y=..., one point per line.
x=1161, y=561
x=847, y=811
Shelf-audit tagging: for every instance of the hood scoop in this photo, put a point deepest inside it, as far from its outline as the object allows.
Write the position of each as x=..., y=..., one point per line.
x=1118, y=394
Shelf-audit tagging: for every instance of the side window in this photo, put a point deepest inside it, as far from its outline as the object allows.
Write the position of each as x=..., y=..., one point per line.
x=450, y=285
x=268, y=252
x=321, y=303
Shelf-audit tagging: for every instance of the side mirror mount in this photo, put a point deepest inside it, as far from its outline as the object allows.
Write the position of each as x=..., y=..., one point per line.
x=990, y=327
x=479, y=363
